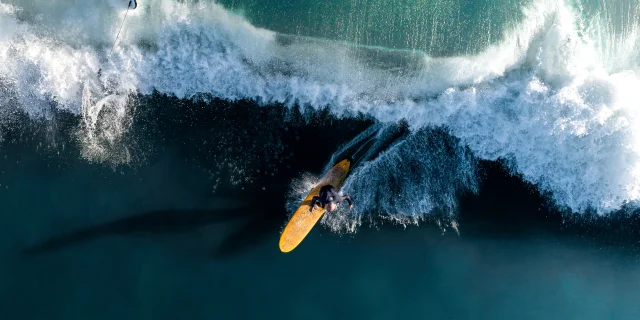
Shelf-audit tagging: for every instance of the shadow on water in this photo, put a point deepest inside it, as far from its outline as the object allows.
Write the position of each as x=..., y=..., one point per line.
x=261, y=225
x=153, y=222
x=259, y=230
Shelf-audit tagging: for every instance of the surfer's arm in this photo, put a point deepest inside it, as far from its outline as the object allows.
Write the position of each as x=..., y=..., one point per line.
x=345, y=197
x=313, y=201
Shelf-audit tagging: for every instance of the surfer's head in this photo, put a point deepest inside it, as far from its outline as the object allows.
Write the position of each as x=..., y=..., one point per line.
x=331, y=206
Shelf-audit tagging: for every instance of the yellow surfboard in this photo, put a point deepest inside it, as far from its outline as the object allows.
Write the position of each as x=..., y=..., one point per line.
x=303, y=220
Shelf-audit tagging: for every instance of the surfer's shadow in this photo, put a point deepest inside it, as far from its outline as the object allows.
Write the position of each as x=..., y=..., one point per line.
x=251, y=231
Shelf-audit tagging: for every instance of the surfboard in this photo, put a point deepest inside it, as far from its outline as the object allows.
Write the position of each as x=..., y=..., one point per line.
x=302, y=220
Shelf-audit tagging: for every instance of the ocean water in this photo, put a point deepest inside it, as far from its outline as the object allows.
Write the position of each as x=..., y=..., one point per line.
x=146, y=171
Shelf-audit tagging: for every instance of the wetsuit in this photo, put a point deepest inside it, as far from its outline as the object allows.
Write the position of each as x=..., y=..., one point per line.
x=329, y=194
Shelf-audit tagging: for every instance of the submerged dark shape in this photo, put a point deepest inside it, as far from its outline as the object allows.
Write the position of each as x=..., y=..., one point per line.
x=159, y=221
x=260, y=212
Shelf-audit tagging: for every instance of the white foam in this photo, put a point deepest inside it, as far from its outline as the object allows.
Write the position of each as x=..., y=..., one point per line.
x=422, y=173
x=552, y=97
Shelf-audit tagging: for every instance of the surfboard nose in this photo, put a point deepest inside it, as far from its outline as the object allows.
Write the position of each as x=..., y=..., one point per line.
x=345, y=163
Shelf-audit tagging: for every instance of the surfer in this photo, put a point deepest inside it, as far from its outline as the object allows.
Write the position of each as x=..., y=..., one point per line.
x=329, y=195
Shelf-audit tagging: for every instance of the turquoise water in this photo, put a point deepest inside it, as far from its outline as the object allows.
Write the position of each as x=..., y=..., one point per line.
x=497, y=148
x=436, y=27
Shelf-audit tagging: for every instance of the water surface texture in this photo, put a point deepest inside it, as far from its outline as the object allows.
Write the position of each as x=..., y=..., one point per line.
x=496, y=149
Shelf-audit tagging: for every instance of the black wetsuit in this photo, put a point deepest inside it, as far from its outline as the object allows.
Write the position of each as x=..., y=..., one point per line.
x=329, y=194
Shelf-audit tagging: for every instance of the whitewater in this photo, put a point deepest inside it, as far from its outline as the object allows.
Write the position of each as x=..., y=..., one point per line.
x=555, y=98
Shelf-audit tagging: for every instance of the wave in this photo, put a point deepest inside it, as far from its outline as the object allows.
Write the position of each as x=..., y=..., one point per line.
x=555, y=97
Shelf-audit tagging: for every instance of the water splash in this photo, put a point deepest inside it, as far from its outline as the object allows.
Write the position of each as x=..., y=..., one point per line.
x=417, y=178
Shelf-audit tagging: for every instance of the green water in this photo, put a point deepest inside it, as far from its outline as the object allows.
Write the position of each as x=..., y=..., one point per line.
x=437, y=27
x=613, y=26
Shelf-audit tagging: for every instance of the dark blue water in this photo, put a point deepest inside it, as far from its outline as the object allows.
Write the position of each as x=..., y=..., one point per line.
x=156, y=241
